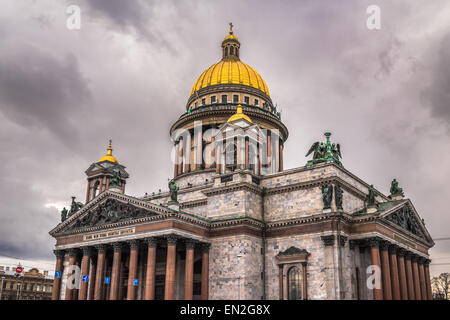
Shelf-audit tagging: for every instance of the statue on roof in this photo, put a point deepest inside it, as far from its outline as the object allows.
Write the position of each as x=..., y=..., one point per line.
x=116, y=180
x=74, y=207
x=371, y=196
x=64, y=214
x=325, y=152
x=395, y=189
x=173, y=189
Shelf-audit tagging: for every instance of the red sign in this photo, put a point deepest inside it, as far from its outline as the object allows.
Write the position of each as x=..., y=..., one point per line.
x=19, y=269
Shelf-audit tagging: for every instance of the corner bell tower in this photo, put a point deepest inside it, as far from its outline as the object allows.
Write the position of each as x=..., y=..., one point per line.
x=100, y=174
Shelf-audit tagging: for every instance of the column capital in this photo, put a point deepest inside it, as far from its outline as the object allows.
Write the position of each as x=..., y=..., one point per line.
x=172, y=239
x=73, y=252
x=427, y=262
x=190, y=243
x=408, y=255
x=415, y=258
x=87, y=251
x=342, y=240
x=328, y=240
x=134, y=244
x=384, y=245
x=117, y=246
x=151, y=242
x=421, y=260
x=59, y=253
x=352, y=244
x=393, y=248
x=205, y=247
x=374, y=242
x=101, y=248
x=401, y=252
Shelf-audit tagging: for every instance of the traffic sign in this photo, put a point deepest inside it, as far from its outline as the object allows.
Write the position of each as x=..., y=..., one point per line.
x=85, y=279
x=57, y=274
x=135, y=282
x=19, y=269
x=107, y=280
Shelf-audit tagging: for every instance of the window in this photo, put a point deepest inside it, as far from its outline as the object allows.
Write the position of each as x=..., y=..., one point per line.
x=38, y=287
x=213, y=99
x=256, y=102
x=44, y=288
x=235, y=98
x=50, y=288
x=226, y=51
x=231, y=50
x=224, y=98
x=195, y=105
x=203, y=101
x=294, y=284
x=31, y=287
x=231, y=156
x=24, y=287
x=11, y=285
x=246, y=100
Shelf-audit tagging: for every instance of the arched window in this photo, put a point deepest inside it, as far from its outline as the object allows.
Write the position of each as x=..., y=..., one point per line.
x=294, y=284
x=231, y=51
x=226, y=51
x=96, y=189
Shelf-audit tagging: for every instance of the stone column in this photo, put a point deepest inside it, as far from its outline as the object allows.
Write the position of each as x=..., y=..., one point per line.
x=205, y=271
x=92, y=274
x=87, y=251
x=385, y=270
x=198, y=144
x=169, y=293
x=189, y=270
x=213, y=152
x=247, y=164
x=187, y=152
x=59, y=267
x=151, y=267
x=277, y=153
x=132, y=269
x=305, y=281
x=176, y=159
x=260, y=160
x=180, y=156
x=72, y=261
x=395, y=281
x=121, y=278
x=428, y=279
x=409, y=277
x=402, y=273
x=269, y=152
x=423, y=287
x=101, y=249
x=280, y=279
x=375, y=255
x=115, y=273
x=88, y=191
x=281, y=156
x=415, y=269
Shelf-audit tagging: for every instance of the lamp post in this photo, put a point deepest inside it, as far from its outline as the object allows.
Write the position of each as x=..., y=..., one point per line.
x=239, y=256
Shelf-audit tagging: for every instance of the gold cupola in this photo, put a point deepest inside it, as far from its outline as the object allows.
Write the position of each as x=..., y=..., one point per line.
x=230, y=70
x=239, y=115
x=108, y=157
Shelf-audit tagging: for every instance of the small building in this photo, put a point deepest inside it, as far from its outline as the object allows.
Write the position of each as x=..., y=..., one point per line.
x=31, y=285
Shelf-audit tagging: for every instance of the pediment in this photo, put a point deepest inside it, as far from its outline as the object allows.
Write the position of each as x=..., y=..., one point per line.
x=406, y=217
x=109, y=208
x=293, y=254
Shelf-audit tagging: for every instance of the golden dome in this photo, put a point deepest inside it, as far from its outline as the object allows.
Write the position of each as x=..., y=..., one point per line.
x=230, y=70
x=239, y=115
x=108, y=157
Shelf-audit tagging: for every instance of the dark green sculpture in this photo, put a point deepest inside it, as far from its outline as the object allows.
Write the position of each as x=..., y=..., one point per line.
x=116, y=180
x=325, y=152
x=327, y=195
x=64, y=214
x=173, y=189
x=74, y=207
x=371, y=196
x=338, y=196
x=395, y=189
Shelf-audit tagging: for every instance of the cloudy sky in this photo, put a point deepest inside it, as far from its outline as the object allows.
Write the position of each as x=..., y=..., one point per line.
x=126, y=75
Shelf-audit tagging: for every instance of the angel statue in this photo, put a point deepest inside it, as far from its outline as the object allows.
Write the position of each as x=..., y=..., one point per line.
x=64, y=214
x=325, y=152
x=173, y=188
x=395, y=189
x=116, y=179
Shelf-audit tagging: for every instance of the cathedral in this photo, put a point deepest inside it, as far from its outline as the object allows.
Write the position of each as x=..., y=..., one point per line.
x=233, y=222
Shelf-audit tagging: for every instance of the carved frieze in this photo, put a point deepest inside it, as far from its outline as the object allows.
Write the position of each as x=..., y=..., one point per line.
x=405, y=218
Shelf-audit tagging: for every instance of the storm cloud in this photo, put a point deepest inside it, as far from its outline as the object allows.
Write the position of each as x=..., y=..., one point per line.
x=127, y=73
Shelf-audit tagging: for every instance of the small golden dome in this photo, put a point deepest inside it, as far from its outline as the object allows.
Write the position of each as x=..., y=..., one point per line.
x=239, y=115
x=108, y=157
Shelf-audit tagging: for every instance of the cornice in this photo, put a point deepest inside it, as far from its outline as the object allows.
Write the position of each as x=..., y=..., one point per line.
x=233, y=187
